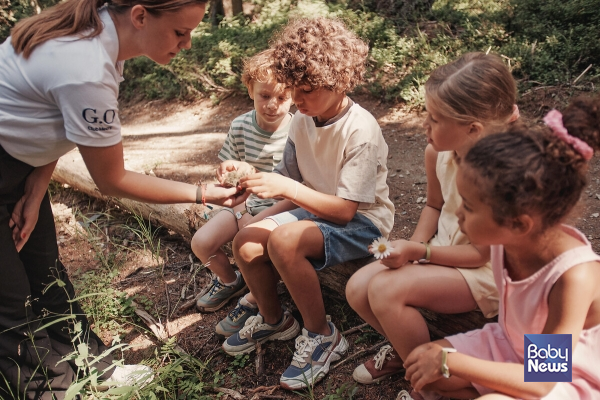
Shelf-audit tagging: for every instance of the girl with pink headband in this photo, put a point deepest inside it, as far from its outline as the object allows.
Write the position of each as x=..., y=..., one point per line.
x=518, y=187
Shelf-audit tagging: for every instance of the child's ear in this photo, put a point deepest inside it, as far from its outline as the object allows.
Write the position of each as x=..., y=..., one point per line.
x=475, y=130
x=523, y=224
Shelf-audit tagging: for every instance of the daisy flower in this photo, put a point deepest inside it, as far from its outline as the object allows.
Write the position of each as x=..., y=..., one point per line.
x=381, y=248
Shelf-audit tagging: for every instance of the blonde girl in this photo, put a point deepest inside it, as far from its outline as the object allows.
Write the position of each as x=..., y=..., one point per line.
x=517, y=189
x=438, y=268
x=59, y=82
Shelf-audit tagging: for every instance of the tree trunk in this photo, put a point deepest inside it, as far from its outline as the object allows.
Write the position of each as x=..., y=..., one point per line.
x=232, y=7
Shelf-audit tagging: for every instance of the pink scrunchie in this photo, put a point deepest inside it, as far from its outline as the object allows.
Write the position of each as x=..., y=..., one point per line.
x=555, y=121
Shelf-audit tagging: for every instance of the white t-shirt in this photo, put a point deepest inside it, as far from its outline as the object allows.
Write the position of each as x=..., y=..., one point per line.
x=65, y=94
x=347, y=158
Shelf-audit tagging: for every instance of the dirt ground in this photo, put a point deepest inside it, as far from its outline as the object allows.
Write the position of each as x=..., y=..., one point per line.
x=167, y=126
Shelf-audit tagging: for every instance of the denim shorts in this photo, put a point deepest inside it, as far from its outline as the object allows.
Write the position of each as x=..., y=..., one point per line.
x=341, y=242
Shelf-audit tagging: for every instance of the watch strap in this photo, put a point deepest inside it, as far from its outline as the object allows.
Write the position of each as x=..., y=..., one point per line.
x=445, y=369
x=427, y=257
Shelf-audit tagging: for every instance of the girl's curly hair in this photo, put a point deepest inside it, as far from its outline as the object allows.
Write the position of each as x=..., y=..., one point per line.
x=530, y=170
x=320, y=52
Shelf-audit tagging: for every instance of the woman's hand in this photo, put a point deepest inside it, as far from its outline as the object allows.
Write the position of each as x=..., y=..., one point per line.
x=26, y=212
x=424, y=365
x=270, y=186
x=403, y=251
x=23, y=219
x=228, y=197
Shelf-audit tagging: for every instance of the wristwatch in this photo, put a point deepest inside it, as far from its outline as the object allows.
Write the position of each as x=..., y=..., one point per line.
x=445, y=370
x=239, y=214
x=427, y=256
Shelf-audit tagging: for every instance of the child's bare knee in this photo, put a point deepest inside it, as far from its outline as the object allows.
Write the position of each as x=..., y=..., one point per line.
x=282, y=243
x=204, y=243
x=356, y=290
x=245, y=248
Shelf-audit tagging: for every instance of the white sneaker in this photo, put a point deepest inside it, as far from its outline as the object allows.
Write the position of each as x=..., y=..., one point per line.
x=130, y=375
x=404, y=395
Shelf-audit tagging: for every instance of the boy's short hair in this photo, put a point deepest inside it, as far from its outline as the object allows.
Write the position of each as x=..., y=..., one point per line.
x=320, y=52
x=259, y=68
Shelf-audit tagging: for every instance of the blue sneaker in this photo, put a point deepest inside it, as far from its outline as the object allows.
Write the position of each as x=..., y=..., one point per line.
x=256, y=330
x=236, y=318
x=314, y=354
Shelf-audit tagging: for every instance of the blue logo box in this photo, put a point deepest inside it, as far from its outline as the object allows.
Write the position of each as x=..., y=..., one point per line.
x=548, y=358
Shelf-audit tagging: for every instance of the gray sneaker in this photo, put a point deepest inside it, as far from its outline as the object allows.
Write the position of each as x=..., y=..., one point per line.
x=256, y=330
x=236, y=318
x=219, y=294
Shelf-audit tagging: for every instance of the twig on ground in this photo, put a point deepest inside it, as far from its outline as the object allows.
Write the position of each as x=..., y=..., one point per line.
x=260, y=363
x=168, y=307
x=582, y=74
x=266, y=396
x=236, y=395
x=268, y=389
x=355, y=329
x=156, y=327
x=371, y=349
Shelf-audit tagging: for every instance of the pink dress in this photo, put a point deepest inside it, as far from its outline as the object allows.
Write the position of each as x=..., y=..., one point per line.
x=524, y=310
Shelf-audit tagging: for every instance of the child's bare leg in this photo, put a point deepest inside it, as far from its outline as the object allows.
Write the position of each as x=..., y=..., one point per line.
x=289, y=247
x=357, y=293
x=250, y=251
x=207, y=241
x=394, y=296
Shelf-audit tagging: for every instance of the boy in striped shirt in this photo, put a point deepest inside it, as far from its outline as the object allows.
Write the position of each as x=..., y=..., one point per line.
x=258, y=138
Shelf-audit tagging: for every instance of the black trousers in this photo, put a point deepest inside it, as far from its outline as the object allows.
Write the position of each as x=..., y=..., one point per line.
x=29, y=356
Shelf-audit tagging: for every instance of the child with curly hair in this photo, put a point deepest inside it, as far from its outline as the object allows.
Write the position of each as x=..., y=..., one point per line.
x=257, y=138
x=334, y=173
x=438, y=268
x=517, y=189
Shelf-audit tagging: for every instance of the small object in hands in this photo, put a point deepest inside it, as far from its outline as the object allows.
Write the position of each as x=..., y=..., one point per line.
x=232, y=178
x=240, y=214
x=427, y=257
x=381, y=248
x=445, y=370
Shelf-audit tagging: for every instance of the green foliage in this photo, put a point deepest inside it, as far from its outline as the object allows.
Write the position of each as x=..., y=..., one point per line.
x=12, y=11
x=546, y=43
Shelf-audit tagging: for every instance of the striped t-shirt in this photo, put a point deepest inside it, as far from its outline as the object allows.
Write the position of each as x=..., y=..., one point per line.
x=246, y=141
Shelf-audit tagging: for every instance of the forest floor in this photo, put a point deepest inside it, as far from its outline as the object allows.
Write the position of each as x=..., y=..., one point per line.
x=182, y=142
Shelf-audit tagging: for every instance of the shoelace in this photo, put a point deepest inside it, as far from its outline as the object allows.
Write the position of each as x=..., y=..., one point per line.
x=252, y=324
x=381, y=356
x=216, y=286
x=237, y=312
x=304, y=347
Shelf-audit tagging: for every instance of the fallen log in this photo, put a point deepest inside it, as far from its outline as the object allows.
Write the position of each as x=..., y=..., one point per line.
x=185, y=219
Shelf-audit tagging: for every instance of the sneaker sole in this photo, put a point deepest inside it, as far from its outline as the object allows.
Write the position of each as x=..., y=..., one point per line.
x=288, y=334
x=358, y=379
x=221, y=304
x=336, y=354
